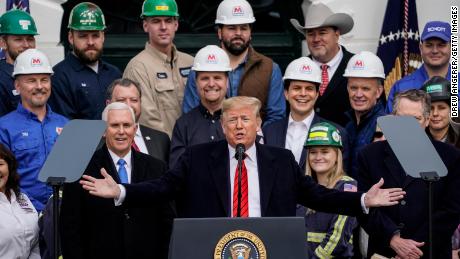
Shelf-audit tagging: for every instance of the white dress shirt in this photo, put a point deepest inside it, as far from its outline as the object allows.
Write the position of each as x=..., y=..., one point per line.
x=139, y=140
x=128, y=165
x=333, y=64
x=18, y=228
x=296, y=134
x=253, y=179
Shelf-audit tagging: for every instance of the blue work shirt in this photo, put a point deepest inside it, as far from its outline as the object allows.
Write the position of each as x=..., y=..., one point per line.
x=31, y=141
x=276, y=103
x=362, y=134
x=195, y=127
x=412, y=81
x=77, y=91
x=9, y=97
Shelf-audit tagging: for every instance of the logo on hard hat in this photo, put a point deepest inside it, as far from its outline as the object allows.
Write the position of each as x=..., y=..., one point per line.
x=359, y=64
x=35, y=62
x=161, y=8
x=305, y=69
x=237, y=11
x=24, y=24
x=436, y=29
x=211, y=59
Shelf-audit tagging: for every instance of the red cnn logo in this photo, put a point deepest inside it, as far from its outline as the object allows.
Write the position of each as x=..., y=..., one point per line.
x=36, y=61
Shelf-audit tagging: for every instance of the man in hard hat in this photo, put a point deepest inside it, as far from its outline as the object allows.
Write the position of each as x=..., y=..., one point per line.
x=146, y=140
x=32, y=129
x=202, y=124
x=17, y=33
x=401, y=231
x=160, y=69
x=365, y=74
x=253, y=74
x=302, y=79
x=322, y=31
x=441, y=126
x=435, y=48
x=81, y=79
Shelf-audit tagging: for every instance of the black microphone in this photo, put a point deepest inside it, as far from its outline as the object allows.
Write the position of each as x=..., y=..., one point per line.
x=239, y=155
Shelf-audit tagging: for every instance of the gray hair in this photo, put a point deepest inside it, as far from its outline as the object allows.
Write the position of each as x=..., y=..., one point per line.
x=117, y=106
x=414, y=95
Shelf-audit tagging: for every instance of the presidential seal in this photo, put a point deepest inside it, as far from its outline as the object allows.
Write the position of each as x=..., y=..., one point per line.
x=240, y=244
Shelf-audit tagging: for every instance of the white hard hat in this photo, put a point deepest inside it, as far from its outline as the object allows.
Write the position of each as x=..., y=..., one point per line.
x=211, y=58
x=365, y=64
x=32, y=61
x=234, y=12
x=303, y=69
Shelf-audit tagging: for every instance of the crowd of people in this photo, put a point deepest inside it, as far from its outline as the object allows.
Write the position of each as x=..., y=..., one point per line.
x=313, y=148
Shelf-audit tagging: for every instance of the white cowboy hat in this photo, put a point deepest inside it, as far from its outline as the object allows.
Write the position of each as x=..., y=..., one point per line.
x=319, y=15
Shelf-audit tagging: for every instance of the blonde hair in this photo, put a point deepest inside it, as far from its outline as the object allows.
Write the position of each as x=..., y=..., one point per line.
x=241, y=102
x=336, y=172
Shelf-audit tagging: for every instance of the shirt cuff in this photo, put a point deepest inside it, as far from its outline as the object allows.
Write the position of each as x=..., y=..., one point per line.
x=363, y=206
x=119, y=201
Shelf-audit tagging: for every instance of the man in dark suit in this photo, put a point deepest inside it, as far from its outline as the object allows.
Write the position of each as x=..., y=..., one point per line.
x=301, y=89
x=322, y=31
x=92, y=227
x=402, y=230
x=204, y=183
x=146, y=140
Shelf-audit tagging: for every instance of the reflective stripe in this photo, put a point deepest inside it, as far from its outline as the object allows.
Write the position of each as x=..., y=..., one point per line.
x=333, y=240
x=315, y=237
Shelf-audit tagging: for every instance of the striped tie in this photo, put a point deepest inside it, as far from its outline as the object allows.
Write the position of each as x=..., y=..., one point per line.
x=244, y=192
x=324, y=79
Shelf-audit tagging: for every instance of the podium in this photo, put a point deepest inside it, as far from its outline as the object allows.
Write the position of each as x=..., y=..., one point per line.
x=235, y=238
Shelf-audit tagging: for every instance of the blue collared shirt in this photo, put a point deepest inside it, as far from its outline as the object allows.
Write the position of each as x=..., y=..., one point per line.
x=276, y=103
x=31, y=141
x=78, y=91
x=9, y=97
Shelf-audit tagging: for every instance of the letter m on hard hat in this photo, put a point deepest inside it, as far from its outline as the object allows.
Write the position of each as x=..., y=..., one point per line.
x=212, y=58
x=237, y=10
x=359, y=64
x=36, y=62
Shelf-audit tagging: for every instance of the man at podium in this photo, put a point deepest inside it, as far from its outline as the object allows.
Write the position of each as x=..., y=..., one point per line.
x=204, y=183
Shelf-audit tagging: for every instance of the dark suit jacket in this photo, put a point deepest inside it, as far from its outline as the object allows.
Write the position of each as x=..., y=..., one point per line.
x=200, y=184
x=410, y=216
x=157, y=143
x=93, y=227
x=333, y=104
x=275, y=135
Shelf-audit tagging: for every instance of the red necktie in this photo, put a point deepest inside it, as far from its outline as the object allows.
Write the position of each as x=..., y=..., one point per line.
x=135, y=146
x=244, y=192
x=324, y=79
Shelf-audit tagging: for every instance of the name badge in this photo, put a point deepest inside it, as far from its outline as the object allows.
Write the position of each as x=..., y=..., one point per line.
x=184, y=71
x=15, y=92
x=162, y=75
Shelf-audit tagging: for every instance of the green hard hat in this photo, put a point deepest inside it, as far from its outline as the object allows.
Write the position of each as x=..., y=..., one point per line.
x=323, y=134
x=17, y=22
x=159, y=8
x=438, y=88
x=86, y=16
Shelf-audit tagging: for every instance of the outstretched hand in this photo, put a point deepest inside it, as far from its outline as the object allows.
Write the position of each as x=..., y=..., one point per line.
x=377, y=197
x=105, y=188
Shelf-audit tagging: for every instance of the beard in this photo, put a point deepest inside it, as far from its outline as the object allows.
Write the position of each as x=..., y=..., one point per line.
x=85, y=58
x=236, y=49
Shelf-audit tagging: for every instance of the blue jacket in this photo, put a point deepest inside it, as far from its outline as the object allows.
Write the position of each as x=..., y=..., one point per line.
x=79, y=92
x=31, y=141
x=362, y=134
x=330, y=235
x=9, y=98
x=412, y=81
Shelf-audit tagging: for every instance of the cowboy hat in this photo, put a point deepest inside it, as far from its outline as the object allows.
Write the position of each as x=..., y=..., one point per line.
x=319, y=15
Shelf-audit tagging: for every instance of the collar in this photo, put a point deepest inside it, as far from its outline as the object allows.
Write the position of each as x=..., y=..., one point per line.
x=138, y=131
x=250, y=152
x=307, y=121
x=77, y=65
x=334, y=61
x=30, y=115
x=207, y=115
x=378, y=107
x=115, y=158
x=160, y=55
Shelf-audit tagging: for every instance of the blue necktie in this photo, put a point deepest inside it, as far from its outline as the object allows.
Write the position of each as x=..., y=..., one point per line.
x=122, y=173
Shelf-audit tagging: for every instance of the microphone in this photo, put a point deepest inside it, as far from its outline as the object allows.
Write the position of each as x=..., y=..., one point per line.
x=239, y=155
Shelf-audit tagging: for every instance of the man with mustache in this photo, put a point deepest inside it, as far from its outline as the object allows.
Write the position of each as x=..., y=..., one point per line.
x=32, y=129
x=81, y=79
x=14, y=39
x=160, y=69
x=253, y=74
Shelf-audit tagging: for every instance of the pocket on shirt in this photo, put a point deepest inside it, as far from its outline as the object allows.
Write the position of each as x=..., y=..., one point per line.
x=26, y=151
x=167, y=95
